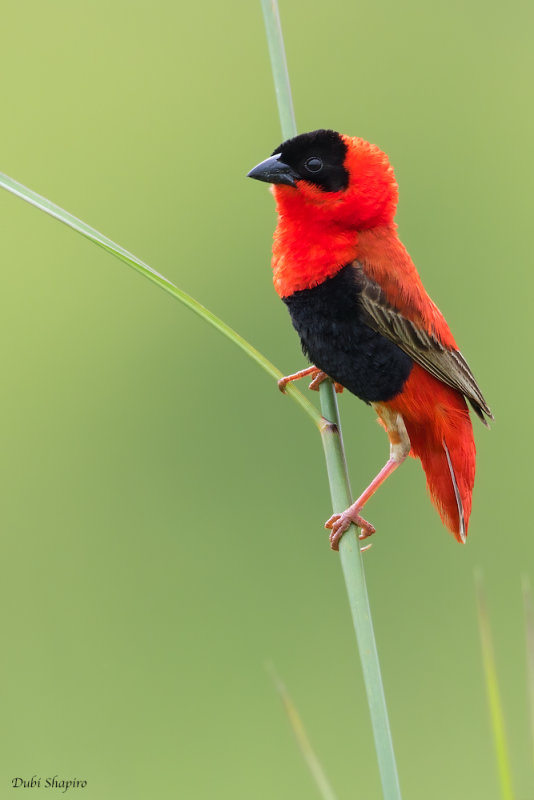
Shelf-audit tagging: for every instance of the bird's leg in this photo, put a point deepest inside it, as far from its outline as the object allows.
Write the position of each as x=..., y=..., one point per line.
x=398, y=451
x=318, y=376
x=282, y=383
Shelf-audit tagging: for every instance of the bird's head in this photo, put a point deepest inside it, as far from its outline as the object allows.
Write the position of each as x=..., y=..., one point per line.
x=329, y=177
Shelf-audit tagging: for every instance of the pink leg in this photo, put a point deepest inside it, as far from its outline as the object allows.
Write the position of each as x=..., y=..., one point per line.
x=282, y=383
x=339, y=523
x=399, y=449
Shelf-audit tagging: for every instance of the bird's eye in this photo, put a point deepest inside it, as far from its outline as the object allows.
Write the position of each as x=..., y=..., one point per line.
x=313, y=164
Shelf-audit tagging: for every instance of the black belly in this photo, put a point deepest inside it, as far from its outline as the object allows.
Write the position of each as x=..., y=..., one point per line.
x=328, y=320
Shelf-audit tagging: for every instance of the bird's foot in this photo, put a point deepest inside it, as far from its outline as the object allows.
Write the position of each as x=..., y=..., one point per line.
x=339, y=523
x=318, y=376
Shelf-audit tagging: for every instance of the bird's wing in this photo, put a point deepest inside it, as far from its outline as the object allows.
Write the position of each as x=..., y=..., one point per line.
x=448, y=365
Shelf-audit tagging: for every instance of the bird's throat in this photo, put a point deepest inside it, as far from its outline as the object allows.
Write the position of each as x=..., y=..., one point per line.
x=305, y=256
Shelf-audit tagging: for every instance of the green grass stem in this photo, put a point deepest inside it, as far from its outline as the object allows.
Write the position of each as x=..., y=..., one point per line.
x=528, y=605
x=349, y=549
x=160, y=280
x=492, y=690
x=353, y=572
x=310, y=757
x=277, y=53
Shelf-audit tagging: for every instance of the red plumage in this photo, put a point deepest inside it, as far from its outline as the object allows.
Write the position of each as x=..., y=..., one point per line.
x=434, y=413
x=336, y=198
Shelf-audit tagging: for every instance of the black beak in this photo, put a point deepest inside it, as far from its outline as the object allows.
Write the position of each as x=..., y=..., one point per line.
x=272, y=170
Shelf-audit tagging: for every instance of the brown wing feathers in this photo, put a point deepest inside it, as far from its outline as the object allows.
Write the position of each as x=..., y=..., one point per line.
x=449, y=366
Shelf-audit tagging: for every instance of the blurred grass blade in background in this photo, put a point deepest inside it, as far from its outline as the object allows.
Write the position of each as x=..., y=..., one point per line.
x=529, y=639
x=349, y=548
x=310, y=757
x=160, y=280
x=492, y=688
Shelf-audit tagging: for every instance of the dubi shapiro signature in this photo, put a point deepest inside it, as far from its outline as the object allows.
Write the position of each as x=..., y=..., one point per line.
x=55, y=782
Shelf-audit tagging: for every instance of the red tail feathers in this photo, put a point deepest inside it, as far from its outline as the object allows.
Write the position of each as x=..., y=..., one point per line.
x=441, y=435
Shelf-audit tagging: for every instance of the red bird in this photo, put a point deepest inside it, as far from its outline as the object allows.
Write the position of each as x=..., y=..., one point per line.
x=364, y=318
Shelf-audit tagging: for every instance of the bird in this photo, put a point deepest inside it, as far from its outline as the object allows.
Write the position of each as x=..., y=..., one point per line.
x=364, y=318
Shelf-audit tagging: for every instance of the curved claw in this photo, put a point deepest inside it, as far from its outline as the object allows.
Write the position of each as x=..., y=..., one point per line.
x=340, y=523
x=282, y=383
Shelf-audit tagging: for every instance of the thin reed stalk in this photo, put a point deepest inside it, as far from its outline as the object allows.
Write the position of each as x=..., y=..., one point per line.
x=301, y=735
x=493, y=693
x=528, y=605
x=349, y=549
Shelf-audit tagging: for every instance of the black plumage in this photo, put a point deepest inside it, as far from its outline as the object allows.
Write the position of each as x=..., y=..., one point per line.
x=329, y=320
x=318, y=158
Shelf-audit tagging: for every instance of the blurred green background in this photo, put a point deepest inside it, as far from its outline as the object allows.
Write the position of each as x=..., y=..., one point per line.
x=162, y=503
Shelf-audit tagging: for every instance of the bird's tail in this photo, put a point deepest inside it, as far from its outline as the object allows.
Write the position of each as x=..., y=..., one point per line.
x=441, y=435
